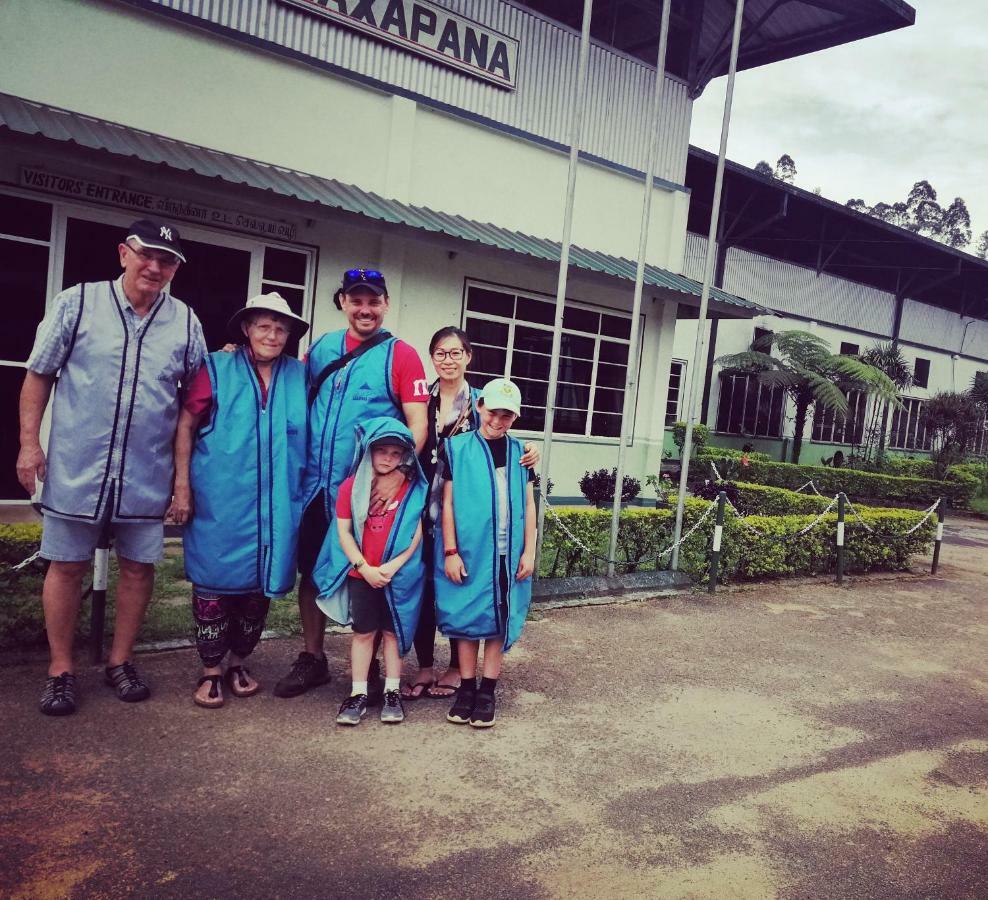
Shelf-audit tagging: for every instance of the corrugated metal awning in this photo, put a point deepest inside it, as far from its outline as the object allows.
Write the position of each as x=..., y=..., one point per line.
x=28, y=117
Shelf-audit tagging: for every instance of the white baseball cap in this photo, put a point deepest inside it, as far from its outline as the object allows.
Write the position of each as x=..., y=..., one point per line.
x=502, y=394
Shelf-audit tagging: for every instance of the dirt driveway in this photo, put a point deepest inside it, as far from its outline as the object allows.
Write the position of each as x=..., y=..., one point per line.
x=783, y=741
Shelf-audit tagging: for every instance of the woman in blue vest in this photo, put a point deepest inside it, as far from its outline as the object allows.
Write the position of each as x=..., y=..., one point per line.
x=240, y=453
x=452, y=411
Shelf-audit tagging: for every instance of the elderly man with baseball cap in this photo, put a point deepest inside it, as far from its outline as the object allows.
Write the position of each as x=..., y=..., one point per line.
x=239, y=464
x=357, y=373
x=121, y=349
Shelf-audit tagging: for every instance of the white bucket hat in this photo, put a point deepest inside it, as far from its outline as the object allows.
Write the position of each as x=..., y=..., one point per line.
x=273, y=303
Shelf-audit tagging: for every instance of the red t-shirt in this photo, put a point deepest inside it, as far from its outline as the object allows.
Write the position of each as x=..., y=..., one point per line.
x=407, y=372
x=377, y=529
x=199, y=396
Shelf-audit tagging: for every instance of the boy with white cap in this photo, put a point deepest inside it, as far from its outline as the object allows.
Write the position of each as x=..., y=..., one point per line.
x=485, y=554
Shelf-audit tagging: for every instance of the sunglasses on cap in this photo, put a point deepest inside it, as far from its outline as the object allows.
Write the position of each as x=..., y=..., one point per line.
x=355, y=276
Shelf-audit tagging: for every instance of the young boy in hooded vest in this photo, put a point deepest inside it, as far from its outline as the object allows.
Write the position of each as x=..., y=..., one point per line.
x=485, y=555
x=374, y=583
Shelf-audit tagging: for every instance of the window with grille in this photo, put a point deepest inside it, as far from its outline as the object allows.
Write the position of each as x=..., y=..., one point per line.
x=748, y=407
x=832, y=427
x=511, y=334
x=677, y=384
x=908, y=432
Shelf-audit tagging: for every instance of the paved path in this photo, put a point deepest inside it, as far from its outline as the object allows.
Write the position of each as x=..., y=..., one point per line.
x=792, y=740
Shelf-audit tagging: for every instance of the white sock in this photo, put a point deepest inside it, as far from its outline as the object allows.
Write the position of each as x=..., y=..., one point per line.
x=359, y=687
x=392, y=684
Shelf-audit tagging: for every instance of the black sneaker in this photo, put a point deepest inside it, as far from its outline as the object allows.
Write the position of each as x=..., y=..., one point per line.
x=130, y=687
x=459, y=712
x=482, y=715
x=375, y=685
x=58, y=697
x=352, y=710
x=306, y=672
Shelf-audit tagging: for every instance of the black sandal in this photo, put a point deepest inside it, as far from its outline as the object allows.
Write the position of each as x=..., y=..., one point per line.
x=236, y=680
x=215, y=698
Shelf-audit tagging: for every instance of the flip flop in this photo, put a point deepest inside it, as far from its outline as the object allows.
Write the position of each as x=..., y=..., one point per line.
x=215, y=697
x=423, y=693
x=236, y=680
x=430, y=691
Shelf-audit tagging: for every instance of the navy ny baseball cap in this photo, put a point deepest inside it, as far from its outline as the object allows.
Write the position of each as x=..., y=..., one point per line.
x=368, y=278
x=156, y=236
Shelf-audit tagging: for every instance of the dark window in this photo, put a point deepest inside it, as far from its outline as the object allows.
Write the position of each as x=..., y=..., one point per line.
x=759, y=335
x=25, y=218
x=23, y=284
x=284, y=265
x=849, y=349
x=677, y=372
x=748, y=407
x=921, y=372
x=832, y=427
x=11, y=379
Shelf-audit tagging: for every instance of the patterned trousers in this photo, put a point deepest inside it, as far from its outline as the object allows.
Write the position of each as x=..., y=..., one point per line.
x=227, y=623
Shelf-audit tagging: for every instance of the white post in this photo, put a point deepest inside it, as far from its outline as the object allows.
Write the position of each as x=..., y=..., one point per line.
x=697, y=361
x=631, y=383
x=576, y=133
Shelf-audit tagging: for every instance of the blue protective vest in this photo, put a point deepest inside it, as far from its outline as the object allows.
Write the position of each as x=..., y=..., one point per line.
x=404, y=592
x=356, y=393
x=473, y=609
x=87, y=424
x=248, y=467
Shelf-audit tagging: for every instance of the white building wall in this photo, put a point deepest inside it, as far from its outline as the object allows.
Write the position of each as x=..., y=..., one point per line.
x=540, y=105
x=243, y=101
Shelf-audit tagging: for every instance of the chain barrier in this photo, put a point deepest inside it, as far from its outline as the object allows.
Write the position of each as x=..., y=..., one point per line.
x=809, y=484
x=928, y=512
x=627, y=562
x=785, y=537
x=23, y=564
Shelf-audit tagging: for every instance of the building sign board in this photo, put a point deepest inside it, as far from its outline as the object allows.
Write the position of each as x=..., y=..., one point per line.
x=429, y=30
x=155, y=204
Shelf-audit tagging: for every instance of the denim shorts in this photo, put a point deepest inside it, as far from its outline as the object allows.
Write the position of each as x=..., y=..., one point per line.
x=69, y=540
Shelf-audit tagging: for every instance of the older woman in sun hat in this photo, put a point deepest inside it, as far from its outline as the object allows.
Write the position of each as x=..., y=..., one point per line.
x=239, y=464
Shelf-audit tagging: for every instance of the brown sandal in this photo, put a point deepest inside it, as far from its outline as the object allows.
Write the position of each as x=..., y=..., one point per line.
x=236, y=681
x=215, y=698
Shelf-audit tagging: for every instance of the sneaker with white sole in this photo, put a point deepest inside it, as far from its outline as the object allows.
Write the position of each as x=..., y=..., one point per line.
x=352, y=710
x=392, y=712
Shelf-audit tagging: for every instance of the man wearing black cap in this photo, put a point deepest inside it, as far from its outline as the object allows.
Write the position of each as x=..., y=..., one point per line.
x=121, y=349
x=354, y=374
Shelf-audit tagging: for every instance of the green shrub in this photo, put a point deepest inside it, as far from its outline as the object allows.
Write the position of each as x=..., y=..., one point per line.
x=716, y=453
x=761, y=500
x=863, y=486
x=745, y=555
x=18, y=542
x=701, y=434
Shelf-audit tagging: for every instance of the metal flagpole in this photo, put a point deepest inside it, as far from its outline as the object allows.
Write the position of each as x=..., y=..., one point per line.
x=633, y=362
x=576, y=133
x=708, y=270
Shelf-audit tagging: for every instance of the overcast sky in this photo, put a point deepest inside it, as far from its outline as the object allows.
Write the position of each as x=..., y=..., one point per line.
x=870, y=118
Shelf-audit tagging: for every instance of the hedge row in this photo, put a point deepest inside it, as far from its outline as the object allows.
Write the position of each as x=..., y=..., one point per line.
x=716, y=453
x=17, y=542
x=745, y=555
x=859, y=486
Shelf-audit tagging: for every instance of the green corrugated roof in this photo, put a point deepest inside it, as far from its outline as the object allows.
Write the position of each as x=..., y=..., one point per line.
x=28, y=117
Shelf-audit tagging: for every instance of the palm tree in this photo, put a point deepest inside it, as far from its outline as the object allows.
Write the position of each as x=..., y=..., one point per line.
x=809, y=373
x=886, y=357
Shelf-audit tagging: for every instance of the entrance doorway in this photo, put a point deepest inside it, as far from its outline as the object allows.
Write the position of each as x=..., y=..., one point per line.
x=214, y=281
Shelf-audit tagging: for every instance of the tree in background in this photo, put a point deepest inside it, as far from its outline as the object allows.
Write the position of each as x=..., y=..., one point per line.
x=953, y=421
x=809, y=373
x=982, y=248
x=921, y=213
x=888, y=358
x=785, y=169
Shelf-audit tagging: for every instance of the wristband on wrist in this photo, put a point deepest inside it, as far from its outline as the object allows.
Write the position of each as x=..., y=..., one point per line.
x=358, y=564
x=452, y=551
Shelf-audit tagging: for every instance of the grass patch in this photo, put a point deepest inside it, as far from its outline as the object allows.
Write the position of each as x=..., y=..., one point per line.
x=22, y=623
